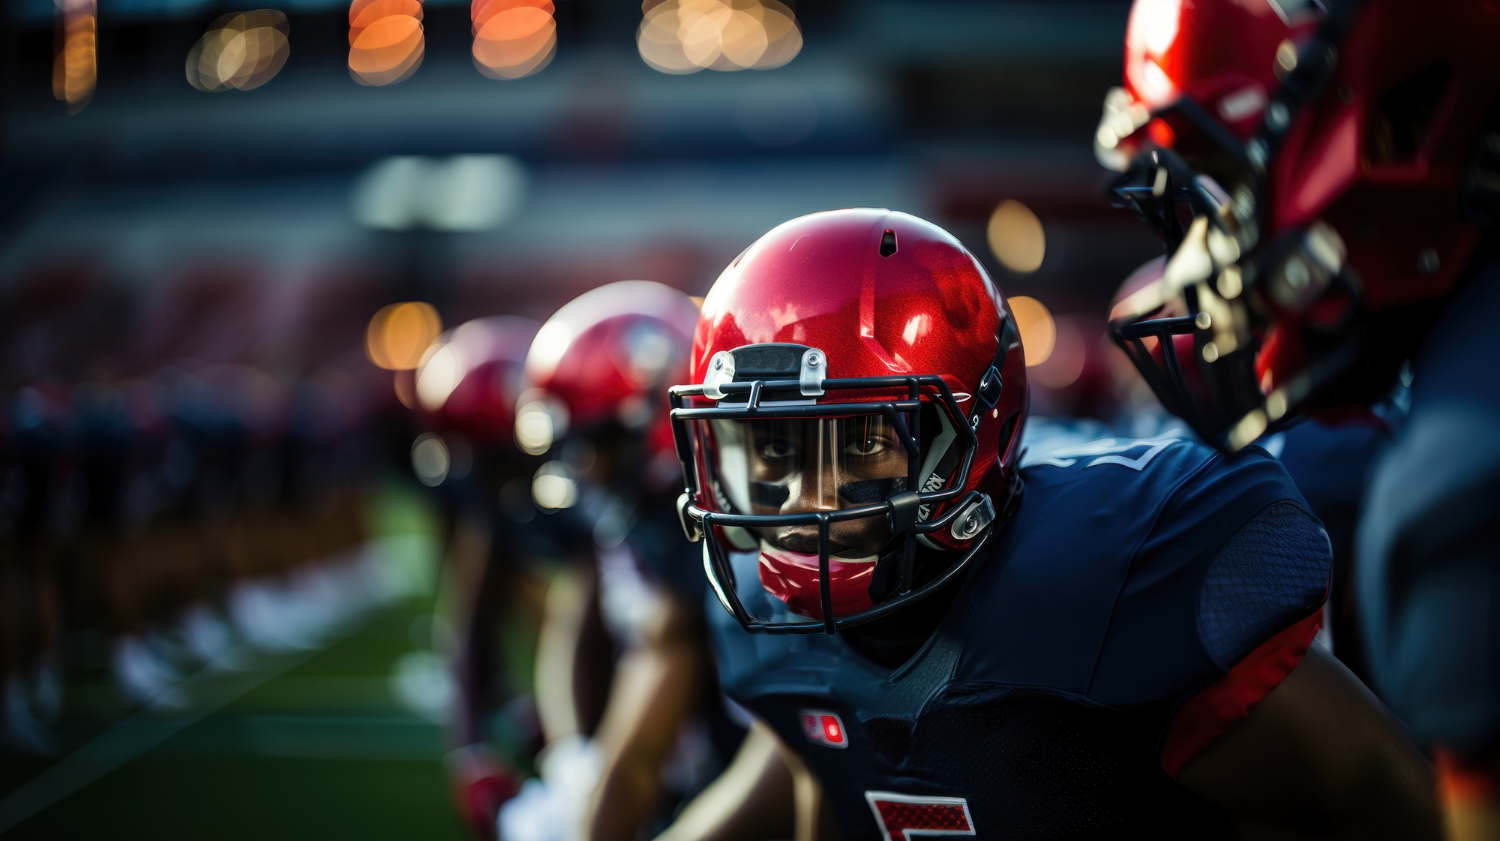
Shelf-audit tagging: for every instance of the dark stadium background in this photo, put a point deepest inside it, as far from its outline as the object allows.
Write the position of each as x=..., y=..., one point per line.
x=154, y=194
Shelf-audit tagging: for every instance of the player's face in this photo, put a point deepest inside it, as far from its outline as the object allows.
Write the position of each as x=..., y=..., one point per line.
x=824, y=464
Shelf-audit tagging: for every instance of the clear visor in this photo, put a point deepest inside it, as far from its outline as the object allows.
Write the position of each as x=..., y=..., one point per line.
x=793, y=470
x=809, y=465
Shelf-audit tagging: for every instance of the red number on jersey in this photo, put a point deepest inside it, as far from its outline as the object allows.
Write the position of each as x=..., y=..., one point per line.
x=903, y=817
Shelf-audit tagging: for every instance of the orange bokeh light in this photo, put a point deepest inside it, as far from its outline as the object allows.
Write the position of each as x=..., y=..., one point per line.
x=685, y=36
x=75, y=67
x=1038, y=330
x=386, y=41
x=513, y=38
x=399, y=334
x=482, y=10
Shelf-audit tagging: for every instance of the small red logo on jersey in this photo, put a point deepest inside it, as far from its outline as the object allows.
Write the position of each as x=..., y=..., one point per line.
x=903, y=817
x=824, y=728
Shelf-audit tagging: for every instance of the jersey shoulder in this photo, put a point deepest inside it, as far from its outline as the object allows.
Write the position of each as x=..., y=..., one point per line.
x=1096, y=587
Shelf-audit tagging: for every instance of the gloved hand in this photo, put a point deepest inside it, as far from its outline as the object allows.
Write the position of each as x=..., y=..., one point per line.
x=552, y=807
x=480, y=782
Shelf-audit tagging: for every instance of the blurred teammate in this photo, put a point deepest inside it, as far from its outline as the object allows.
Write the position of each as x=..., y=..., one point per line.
x=466, y=390
x=937, y=637
x=1329, y=463
x=1324, y=176
x=598, y=371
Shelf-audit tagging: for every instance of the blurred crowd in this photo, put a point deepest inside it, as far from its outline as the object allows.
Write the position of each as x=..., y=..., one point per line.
x=184, y=476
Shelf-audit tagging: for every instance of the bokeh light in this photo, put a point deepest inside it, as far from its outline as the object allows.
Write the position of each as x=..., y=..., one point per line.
x=1016, y=237
x=386, y=42
x=685, y=36
x=430, y=459
x=540, y=421
x=440, y=373
x=1069, y=353
x=459, y=193
x=534, y=429
x=513, y=38
x=555, y=486
x=399, y=334
x=240, y=51
x=75, y=66
x=1038, y=330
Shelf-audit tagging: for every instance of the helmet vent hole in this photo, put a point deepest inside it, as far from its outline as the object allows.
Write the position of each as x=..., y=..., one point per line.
x=888, y=243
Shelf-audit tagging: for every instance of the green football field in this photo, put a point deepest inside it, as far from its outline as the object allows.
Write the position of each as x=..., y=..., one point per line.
x=306, y=745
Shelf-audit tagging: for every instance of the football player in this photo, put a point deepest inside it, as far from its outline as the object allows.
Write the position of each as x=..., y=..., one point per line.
x=1329, y=462
x=937, y=637
x=598, y=372
x=466, y=390
x=1325, y=178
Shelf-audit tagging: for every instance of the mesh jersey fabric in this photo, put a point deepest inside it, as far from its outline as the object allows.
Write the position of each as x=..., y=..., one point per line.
x=1260, y=581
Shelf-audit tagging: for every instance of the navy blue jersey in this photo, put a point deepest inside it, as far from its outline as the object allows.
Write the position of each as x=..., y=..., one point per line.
x=1330, y=465
x=1429, y=536
x=1133, y=575
x=668, y=560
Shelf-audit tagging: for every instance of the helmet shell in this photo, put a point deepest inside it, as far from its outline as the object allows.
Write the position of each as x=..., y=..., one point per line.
x=608, y=357
x=470, y=378
x=882, y=294
x=1382, y=154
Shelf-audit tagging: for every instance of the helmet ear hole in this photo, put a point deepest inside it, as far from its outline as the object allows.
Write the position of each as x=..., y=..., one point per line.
x=1407, y=115
x=888, y=243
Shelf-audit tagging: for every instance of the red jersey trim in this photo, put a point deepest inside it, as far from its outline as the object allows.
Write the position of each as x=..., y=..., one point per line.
x=1461, y=783
x=1208, y=714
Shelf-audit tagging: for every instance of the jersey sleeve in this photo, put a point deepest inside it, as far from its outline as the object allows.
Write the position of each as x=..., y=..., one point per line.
x=1220, y=604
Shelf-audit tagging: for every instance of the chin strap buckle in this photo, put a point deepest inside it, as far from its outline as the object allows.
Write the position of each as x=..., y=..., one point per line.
x=974, y=519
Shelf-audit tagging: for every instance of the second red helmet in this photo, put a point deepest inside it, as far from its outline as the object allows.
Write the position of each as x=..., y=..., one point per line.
x=602, y=364
x=852, y=420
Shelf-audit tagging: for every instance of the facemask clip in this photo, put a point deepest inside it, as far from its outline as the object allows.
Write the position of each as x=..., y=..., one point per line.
x=720, y=371
x=814, y=369
x=974, y=519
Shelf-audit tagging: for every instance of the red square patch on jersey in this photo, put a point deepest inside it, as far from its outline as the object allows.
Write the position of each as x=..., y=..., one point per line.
x=904, y=817
x=824, y=728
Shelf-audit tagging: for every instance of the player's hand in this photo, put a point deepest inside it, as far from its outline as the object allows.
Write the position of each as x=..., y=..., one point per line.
x=480, y=782
x=552, y=807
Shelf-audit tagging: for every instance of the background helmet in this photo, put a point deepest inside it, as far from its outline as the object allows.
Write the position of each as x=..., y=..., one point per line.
x=471, y=377
x=857, y=394
x=602, y=365
x=1317, y=173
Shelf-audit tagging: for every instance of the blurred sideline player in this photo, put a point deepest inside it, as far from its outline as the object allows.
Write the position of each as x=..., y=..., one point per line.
x=1325, y=179
x=465, y=391
x=937, y=638
x=598, y=372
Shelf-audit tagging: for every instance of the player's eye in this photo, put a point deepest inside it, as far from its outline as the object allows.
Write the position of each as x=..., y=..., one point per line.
x=867, y=446
x=775, y=449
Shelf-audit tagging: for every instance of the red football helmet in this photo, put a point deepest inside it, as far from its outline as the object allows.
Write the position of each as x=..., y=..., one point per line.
x=858, y=394
x=1316, y=172
x=604, y=362
x=470, y=378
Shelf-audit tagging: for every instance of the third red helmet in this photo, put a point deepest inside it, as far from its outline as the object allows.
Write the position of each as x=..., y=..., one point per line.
x=1319, y=170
